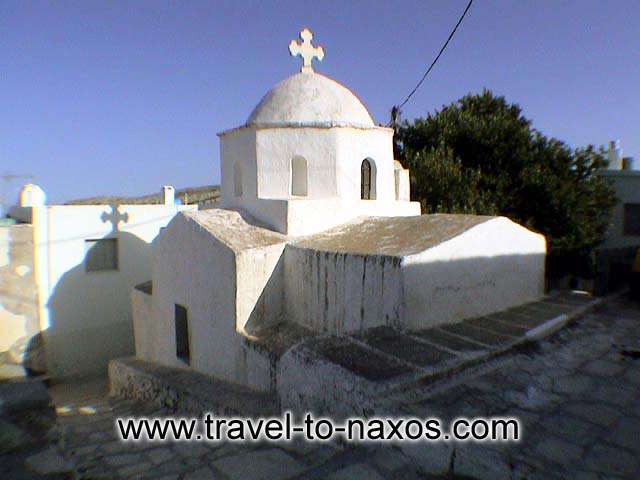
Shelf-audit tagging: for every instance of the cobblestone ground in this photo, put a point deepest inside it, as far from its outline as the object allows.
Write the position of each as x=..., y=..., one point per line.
x=86, y=418
x=577, y=395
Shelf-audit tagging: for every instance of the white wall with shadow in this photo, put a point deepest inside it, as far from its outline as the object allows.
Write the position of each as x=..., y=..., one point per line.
x=88, y=309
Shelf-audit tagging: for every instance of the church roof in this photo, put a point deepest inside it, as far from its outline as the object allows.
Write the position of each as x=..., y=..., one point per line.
x=392, y=236
x=235, y=230
x=313, y=100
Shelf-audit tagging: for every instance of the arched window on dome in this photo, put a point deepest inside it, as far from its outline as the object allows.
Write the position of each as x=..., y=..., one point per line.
x=299, y=176
x=237, y=179
x=368, y=179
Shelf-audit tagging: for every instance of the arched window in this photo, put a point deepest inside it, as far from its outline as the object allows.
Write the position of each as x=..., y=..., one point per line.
x=237, y=179
x=368, y=179
x=298, y=176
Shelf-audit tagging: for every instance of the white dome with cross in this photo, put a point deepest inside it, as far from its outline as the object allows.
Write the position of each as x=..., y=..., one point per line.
x=310, y=99
x=310, y=157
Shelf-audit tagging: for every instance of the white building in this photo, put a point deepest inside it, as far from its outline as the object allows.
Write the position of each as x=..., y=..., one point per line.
x=310, y=157
x=317, y=235
x=624, y=229
x=66, y=273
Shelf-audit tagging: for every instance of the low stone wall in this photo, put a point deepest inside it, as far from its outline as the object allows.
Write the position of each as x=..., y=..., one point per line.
x=182, y=390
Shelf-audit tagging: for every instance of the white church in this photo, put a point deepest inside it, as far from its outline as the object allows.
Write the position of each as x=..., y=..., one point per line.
x=316, y=235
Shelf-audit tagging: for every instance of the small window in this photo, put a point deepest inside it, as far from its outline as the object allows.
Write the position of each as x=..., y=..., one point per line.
x=299, y=177
x=102, y=255
x=237, y=179
x=182, y=334
x=368, y=180
x=632, y=219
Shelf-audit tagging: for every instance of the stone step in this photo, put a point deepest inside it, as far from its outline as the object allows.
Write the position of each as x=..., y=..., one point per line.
x=493, y=335
x=181, y=390
x=348, y=374
x=359, y=373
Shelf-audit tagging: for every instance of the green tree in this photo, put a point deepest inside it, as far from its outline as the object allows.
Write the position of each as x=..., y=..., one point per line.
x=481, y=155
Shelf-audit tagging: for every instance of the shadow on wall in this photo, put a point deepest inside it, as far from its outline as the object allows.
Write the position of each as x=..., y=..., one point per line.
x=268, y=309
x=90, y=320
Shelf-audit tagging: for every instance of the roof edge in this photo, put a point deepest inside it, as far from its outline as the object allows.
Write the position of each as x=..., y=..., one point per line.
x=324, y=125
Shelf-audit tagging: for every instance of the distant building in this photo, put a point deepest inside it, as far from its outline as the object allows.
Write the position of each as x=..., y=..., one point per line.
x=615, y=256
x=66, y=273
x=624, y=230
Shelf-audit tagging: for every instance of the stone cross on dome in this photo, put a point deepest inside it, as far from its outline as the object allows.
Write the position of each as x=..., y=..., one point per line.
x=307, y=51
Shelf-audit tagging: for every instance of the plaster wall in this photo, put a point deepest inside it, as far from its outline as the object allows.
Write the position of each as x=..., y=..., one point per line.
x=260, y=292
x=490, y=267
x=270, y=213
x=355, y=145
x=626, y=184
x=143, y=324
x=403, y=184
x=203, y=277
x=301, y=216
x=339, y=293
x=4, y=246
x=306, y=217
x=238, y=146
x=277, y=146
x=334, y=157
x=19, y=321
x=86, y=316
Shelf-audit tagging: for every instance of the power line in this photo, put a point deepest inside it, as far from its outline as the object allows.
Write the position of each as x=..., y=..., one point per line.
x=398, y=107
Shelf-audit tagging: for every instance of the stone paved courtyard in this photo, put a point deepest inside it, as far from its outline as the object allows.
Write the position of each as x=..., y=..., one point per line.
x=577, y=395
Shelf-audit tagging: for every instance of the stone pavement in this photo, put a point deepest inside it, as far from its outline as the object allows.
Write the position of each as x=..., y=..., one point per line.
x=577, y=395
x=86, y=415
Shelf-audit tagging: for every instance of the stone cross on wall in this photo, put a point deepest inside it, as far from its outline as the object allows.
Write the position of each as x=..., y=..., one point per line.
x=307, y=51
x=115, y=217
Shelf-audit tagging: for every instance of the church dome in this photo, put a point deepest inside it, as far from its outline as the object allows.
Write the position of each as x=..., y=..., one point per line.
x=310, y=99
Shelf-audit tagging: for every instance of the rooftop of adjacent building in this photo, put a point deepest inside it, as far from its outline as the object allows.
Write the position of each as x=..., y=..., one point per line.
x=393, y=236
x=235, y=229
x=387, y=236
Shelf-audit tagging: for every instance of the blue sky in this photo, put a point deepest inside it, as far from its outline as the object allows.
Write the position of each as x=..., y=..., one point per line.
x=120, y=97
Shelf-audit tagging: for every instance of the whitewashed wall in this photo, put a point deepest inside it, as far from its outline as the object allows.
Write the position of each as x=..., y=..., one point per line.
x=306, y=217
x=238, y=146
x=354, y=146
x=259, y=299
x=490, y=267
x=202, y=278
x=336, y=293
x=224, y=293
x=143, y=325
x=19, y=318
x=277, y=146
x=334, y=157
x=86, y=316
x=493, y=266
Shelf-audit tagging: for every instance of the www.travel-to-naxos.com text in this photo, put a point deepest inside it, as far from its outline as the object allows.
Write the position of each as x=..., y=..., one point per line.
x=310, y=428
